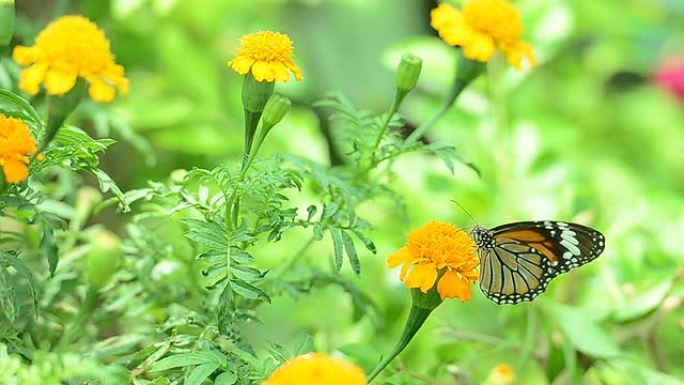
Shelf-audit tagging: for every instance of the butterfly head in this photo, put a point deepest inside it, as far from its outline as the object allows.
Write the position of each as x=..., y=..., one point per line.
x=484, y=239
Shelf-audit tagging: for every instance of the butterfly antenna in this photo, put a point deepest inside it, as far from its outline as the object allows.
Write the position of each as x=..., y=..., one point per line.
x=466, y=211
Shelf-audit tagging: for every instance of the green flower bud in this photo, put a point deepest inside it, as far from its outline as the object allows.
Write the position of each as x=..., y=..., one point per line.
x=255, y=94
x=275, y=110
x=87, y=198
x=103, y=259
x=7, y=14
x=178, y=176
x=408, y=72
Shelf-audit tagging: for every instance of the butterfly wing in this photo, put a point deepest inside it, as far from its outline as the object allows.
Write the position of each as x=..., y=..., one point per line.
x=526, y=256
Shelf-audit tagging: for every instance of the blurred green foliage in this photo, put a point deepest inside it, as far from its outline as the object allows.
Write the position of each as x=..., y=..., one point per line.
x=585, y=136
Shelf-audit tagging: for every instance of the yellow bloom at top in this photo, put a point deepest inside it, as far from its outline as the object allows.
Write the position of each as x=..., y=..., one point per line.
x=481, y=27
x=68, y=48
x=16, y=145
x=317, y=369
x=268, y=55
x=438, y=251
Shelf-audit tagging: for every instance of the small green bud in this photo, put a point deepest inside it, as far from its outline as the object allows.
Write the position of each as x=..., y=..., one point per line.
x=103, y=259
x=87, y=198
x=178, y=176
x=408, y=72
x=275, y=110
x=7, y=15
x=255, y=94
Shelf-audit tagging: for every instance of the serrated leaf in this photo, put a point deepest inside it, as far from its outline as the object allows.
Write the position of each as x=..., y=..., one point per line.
x=22, y=105
x=209, y=234
x=49, y=247
x=106, y=184
x=248, y=290
x=336, y=235
x=226, y=378
x=201, y=373
x=183, y=360
x=318, y=231
x=246, y=273
x=350, y=249
x=366, y=242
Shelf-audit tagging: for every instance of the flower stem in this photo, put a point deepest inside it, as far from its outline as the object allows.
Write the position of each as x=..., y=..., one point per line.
x=398, y=98
x=415, y=320
x=466, y=71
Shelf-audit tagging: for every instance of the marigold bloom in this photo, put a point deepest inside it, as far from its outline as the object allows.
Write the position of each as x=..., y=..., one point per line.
x=317, y=369
x=502, y=374
x=438, y=251
x=16, y=145
x=482, y=26
x=268, y=55
x=68, y=48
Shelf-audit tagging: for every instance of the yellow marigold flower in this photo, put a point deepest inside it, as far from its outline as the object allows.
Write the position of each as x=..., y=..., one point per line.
x=317, y=369
x=482, y=26
x=502, y=374
x=438, y=251
x=68, y=48
x=268, y=55
x=16, y=145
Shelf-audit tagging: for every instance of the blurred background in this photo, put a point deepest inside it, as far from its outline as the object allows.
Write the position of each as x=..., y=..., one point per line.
x=594, y=133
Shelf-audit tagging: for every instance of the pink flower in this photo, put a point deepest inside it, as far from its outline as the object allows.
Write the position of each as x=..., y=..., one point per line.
x=670, y=76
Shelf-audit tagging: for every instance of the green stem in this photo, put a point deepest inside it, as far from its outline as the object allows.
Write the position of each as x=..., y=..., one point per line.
x=398, y=98
x=251, y=122
x=466, y=71
x=415, y=320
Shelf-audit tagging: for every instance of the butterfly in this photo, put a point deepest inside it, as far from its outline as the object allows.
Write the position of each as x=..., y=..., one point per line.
x=518, y=260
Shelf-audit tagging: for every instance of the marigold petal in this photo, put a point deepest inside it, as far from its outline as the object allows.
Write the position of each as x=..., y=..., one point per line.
x=450, y=25
x=25, y=56
x=32, y=77
x=480, y=47
x=518, y=51
x=100, y=91
x=422, y=276
x=15, y=170
x=396, y=259
x=316, y=369
x=60, y=81
x=241, y=64
x=453, y=286
x=263, y=71
x=295, y=70
x=281, y=73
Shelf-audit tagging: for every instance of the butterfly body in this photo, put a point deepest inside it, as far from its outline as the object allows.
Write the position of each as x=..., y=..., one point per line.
x=518, y=260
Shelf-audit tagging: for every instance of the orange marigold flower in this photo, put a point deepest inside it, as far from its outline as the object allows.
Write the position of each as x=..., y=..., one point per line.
x=502, y=374
x=317, y=369
x=16, y=145
x=438, y=251
x=482, y=26
x=268, y=55
x=68, y=48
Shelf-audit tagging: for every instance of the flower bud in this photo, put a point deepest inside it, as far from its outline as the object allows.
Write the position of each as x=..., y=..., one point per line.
x=7, y=14
x=255, y=94
x=87, y=198
x=275, y=109
x=408, y=72
x=103, y=259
